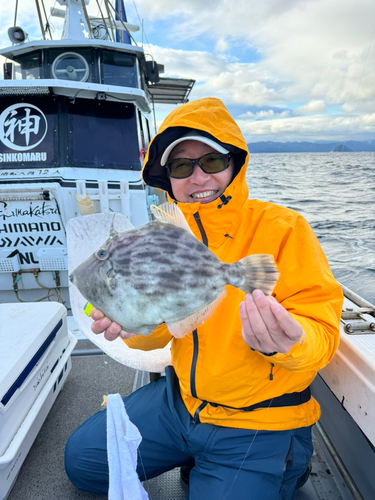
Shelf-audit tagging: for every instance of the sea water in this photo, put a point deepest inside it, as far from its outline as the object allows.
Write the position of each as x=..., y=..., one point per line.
x=335, y=192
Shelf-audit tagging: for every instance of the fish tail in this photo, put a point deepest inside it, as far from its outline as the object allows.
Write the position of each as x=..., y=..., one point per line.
x=257, y=271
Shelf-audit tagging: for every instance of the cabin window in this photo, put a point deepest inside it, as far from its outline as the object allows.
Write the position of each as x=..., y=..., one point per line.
x=27, y=66
x=103, y=135
x=147, y=127
x=119, y=68
x=145, y=131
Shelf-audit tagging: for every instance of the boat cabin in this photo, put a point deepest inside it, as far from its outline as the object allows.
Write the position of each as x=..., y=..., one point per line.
x=75, y=123
x=77, y=105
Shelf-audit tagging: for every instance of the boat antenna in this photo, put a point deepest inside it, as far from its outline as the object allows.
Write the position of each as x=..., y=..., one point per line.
x=15, y=13
x=141, y=22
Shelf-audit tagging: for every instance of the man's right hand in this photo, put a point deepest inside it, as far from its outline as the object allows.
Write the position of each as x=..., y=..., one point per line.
x=111, y=329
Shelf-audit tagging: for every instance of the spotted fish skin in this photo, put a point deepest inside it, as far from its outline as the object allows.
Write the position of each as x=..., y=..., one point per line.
x=156, y=273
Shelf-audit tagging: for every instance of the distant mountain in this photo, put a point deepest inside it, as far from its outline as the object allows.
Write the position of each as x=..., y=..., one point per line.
x=342, y=148
x=310, y=147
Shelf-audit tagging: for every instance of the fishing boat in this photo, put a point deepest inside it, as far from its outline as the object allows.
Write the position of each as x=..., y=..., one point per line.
x=75, y=121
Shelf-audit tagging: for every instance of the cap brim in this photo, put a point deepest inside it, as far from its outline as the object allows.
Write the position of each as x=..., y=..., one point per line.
x=189, y=137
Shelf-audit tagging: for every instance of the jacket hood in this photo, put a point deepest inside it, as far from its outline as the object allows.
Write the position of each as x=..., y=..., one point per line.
x=211, y=119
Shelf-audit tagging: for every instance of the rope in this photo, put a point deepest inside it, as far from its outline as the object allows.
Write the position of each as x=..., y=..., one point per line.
x=122, y=22
x=59, y=299
x=40, y=19
x=109, y=21
x=143, y=31
x=47, y=23
x=102, y=16
x=86, y=17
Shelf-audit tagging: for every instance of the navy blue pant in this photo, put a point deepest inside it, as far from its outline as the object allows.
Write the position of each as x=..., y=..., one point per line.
x=230, y=464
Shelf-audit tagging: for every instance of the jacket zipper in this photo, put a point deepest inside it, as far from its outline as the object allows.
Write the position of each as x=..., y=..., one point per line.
x=271, y=372
x=194, y=364
x=193, y=388
x=201, y=228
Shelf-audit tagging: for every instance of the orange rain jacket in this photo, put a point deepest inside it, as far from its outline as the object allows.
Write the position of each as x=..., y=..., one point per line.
x=213, y=363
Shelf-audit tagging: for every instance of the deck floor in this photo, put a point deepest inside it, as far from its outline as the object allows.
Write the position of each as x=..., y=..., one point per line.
x=42, y=476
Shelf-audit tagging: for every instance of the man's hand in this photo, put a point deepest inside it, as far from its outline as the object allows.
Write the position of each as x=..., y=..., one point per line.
x=103, y=324
x=266, y=326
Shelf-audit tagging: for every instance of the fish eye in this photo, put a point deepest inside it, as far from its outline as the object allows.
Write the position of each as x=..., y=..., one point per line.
x=102, y=254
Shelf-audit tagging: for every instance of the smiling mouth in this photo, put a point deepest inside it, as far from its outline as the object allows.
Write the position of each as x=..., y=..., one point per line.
x=204, y=194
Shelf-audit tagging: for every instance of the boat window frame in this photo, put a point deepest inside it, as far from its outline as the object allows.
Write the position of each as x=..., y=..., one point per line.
x=101, y=62
x=127, y=140
x=87, y=53
x=23, y=57
x=145, y=129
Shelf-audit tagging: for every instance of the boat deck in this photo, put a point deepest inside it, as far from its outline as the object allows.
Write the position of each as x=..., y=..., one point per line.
x=42, y=476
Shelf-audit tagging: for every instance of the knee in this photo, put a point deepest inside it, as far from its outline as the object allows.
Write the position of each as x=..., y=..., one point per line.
x=86, y=463
x=72, y=460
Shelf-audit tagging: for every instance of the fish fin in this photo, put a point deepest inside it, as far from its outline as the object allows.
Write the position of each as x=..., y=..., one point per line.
x=110, y=282
x=112, y=230
x=258, y=271
x=169, y=213
x=181, y=328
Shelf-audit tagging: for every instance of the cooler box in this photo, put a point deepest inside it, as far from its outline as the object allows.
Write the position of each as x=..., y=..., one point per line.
x=35, y=349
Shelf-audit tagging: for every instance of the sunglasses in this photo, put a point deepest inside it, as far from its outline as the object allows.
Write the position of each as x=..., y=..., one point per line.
x=211, y=163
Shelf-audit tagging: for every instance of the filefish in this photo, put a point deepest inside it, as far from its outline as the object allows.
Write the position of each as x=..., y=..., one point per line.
x=161, y=273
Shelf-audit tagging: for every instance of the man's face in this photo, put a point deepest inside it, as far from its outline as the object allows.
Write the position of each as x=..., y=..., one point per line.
x=199, y=186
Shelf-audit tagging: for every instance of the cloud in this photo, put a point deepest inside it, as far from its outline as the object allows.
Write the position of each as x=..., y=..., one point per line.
x=263, y=115
x=314, y=57
x=221, y=45
x=309, y=128
x=193, y=64
x=234, y=87
x=233, y=82
x=27, y=19
x=311, y=108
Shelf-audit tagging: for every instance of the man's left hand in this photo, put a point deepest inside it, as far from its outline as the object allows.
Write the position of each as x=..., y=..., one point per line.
x=266, y=326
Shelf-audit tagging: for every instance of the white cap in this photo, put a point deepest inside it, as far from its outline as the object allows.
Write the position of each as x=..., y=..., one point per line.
x=191, y=136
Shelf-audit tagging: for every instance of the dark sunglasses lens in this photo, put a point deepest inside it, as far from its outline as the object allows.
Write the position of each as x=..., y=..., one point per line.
x=180, y=168
x=211, y=163
x=214, y=163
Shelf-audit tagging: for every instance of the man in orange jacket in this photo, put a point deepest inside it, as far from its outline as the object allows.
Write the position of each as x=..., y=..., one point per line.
x=236, y=405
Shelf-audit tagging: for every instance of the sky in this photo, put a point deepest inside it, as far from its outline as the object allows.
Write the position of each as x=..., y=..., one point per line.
x=287, y=70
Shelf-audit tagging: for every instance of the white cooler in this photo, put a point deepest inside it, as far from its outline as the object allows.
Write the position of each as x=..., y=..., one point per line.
x=35, y=349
